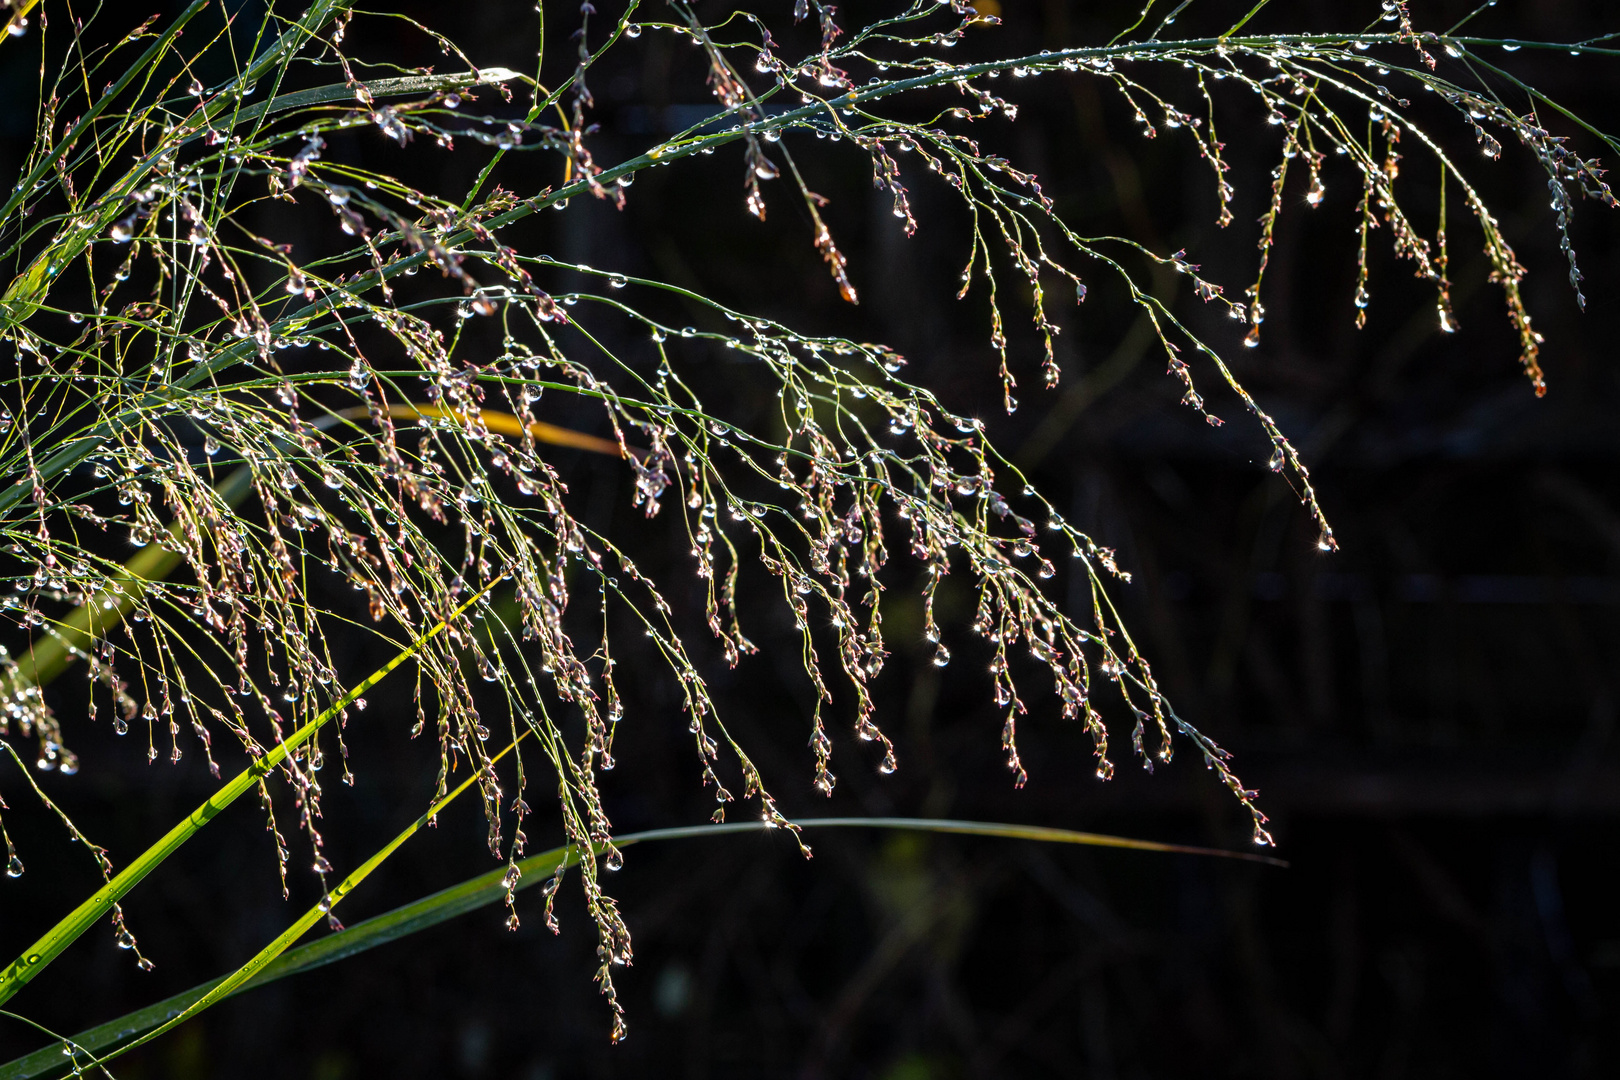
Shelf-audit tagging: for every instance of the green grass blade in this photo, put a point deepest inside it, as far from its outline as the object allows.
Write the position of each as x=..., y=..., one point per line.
x=378, y=88
x=28, y=291
x=267, y=955
x=35, y=959
x=487, y=889
x=103, y=100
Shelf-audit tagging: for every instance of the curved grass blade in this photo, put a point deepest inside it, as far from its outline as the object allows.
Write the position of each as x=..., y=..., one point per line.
x=503, y=423
x=378, y=88
x=35, y=959
x=487, y=889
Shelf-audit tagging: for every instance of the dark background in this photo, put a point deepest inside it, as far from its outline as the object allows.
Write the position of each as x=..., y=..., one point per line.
x=1428, y=714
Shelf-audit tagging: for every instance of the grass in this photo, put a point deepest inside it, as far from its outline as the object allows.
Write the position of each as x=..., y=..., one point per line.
x=102, y=1043
x=268, y=422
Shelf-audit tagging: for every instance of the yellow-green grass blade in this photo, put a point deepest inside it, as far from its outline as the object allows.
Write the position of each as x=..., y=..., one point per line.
x=503, y=423
x=18, y=14
x=35, y=959
x=487, y=889
x=235, y=980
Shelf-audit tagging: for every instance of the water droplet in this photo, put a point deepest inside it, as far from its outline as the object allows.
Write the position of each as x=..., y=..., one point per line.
x=14, y=868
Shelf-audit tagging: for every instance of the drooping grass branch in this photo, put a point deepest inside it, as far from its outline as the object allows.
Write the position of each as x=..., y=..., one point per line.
x=274, y=425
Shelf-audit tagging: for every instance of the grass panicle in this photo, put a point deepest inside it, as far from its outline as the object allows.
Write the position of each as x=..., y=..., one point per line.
x=272, y=424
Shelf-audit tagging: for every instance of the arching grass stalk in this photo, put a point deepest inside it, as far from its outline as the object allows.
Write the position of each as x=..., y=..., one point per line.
x=99, y=1042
